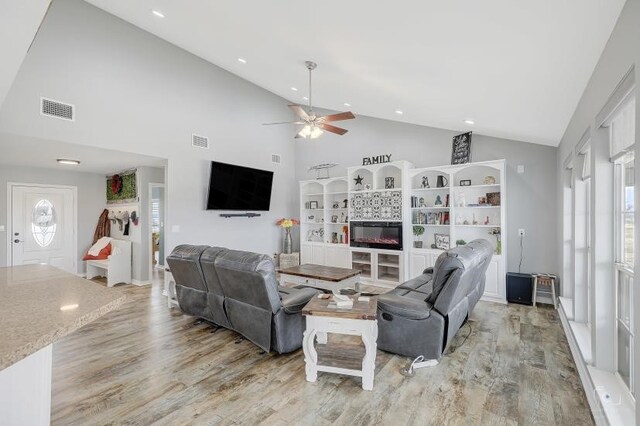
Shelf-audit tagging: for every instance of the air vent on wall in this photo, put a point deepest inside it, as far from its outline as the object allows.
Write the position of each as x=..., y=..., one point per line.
x=275, y=158
x=57, y=109
x=198, y=141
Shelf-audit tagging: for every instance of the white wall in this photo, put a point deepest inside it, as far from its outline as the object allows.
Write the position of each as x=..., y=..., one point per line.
x=134, y=92
x=19, y=22
x=91, y=201
x=531, y=197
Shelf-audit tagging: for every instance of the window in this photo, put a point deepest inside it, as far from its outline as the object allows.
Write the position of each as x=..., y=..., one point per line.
x=43, y=223
x=622, y=137
x=155, y=215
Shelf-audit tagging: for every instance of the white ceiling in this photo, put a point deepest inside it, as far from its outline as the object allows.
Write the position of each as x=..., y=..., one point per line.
x=516, y=68
x=34, y=152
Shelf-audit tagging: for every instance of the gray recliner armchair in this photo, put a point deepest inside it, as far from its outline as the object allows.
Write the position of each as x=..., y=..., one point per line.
x=238, y=290
x=421, y=316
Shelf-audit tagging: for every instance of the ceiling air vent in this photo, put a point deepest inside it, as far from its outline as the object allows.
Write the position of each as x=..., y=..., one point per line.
x=198, y=141
x=57, y=109
x=275, y=158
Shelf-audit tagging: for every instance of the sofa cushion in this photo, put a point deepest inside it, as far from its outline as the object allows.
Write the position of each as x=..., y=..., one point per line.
x=405, y=307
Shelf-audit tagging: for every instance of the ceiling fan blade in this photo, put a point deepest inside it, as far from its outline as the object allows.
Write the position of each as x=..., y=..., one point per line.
x=299, y=135
x=299, y=111
x=348, y=115
x=333, y=129
x=284, y=122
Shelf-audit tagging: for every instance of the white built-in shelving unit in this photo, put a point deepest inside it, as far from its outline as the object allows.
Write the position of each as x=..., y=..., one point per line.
x=323, y=218
x=464, y=215
x=461, y=214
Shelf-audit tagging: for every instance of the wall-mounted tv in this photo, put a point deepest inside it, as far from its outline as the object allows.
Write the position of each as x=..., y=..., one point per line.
x=234, y=187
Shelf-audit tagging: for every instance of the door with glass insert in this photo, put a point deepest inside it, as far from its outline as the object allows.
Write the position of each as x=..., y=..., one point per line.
x=42, y=226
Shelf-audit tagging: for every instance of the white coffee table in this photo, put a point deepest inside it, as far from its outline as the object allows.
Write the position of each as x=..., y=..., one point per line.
x=357, y=321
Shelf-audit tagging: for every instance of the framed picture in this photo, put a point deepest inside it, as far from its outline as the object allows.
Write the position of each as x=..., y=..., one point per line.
x=442, y=241
x=461, y=149
x=493, y=198
x=334, y=218
x=465, y=182
x=389, y=183
x=313, y=204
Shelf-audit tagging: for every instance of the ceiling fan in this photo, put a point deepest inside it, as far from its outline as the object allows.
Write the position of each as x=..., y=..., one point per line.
x=315, y=125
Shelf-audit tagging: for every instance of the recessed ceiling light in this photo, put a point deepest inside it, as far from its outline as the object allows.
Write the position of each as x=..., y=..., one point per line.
x=469, y=122
x=399, y=112
x=68, y=161
x=69, y=307
x=158, y=13
x=347, y=104
x=295, y=89
x=242, y=60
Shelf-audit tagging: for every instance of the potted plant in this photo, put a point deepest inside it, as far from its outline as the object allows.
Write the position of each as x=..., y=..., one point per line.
x=496, y=232
x=287, y=224
x=418, y=231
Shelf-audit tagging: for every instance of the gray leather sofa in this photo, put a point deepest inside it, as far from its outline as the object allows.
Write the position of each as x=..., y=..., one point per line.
x=421, y=316
x=238, y=290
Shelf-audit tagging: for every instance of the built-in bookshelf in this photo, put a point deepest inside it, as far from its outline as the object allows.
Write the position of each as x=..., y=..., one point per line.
x=324, y=222
x=454, y=204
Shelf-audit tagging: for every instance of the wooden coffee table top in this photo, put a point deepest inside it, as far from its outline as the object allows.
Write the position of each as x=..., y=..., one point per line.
x=361, y=309
x=320, y=272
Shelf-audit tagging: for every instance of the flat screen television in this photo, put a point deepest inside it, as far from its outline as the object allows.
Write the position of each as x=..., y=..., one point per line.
x=234, y=187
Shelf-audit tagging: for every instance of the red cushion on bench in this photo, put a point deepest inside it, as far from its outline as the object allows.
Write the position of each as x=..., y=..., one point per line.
x=104, y=254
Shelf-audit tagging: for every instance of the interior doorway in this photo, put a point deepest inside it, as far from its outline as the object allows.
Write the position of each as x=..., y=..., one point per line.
x=43, y=222
x=157, y=204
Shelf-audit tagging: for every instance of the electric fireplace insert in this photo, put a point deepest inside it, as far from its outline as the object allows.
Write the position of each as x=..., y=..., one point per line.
x=380, y=235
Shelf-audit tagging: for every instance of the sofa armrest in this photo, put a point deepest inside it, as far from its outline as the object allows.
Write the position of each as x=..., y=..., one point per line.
x=405, y=307
x=429, y=270
x=295, y=299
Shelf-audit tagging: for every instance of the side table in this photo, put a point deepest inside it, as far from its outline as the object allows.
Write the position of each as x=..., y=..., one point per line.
x=170, y=289
x=289, y=260
x=360, y=320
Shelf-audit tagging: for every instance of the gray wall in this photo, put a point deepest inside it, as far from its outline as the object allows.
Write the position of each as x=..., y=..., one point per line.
x=147, y=175
x=137, y=93
x=621, y=53
x=91, y=201
x=531, y=200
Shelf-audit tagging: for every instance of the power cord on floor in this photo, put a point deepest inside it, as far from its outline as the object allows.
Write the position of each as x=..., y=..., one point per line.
x=465, y=338
x=410, y=370
x=521, y=253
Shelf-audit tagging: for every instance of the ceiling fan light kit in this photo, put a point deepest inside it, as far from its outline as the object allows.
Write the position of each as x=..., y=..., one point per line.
x=315, y=126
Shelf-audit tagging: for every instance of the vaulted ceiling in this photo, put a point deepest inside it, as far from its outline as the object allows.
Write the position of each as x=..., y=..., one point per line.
x=516, y=69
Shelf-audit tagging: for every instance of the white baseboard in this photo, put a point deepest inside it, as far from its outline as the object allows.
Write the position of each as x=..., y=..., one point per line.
x=140, y=283
x=594, y=403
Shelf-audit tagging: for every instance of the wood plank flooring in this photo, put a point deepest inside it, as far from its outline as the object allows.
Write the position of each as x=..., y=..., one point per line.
x=146, y=364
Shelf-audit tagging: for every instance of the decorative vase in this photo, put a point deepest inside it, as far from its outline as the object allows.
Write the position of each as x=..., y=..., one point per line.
x=287, y=242
x=417, y=244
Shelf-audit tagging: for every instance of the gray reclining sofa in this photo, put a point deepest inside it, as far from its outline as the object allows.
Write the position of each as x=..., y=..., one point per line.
x=421, y=316
x=238, y=290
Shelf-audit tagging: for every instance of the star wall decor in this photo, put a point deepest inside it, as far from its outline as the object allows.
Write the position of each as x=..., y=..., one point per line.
x=359, y=180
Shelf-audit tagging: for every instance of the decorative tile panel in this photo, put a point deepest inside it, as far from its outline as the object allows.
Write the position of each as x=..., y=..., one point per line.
x=379, y=205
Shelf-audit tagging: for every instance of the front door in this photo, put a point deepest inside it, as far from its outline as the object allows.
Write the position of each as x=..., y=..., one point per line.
x=43, y=226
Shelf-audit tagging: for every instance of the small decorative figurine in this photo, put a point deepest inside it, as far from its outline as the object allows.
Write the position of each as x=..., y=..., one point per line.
x=345, y=203
x=425, y=182
x=336, y=205
x=486, y=221
x=489, y=180
x=421, y=201
x=438, y=201
x=475, y=222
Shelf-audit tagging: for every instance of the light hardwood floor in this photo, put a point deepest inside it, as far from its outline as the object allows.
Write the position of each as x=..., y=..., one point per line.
x=146, y=364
